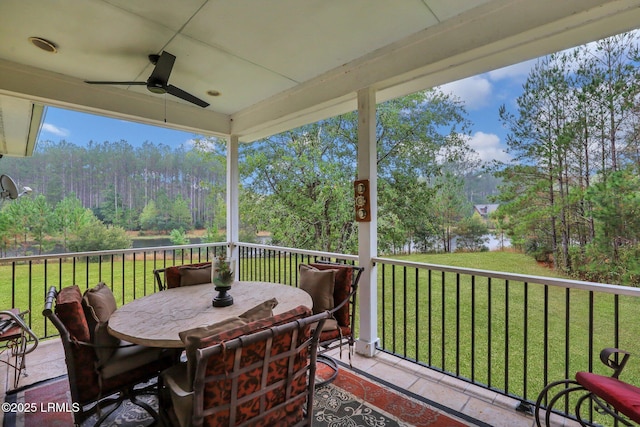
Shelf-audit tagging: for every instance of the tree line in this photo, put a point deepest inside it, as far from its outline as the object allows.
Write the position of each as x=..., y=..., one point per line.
x=116, y=180
x=297, y=186
x=571, y=196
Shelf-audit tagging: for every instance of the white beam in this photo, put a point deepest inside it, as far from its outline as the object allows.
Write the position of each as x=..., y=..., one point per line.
x=233, y=186
x=368, y=231
x=57, y=90
x=455, y=49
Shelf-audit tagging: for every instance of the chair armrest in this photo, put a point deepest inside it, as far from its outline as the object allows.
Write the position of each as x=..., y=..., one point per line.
x=605, y=357
x=175, y=388
x=157, y=273
x=19, y=321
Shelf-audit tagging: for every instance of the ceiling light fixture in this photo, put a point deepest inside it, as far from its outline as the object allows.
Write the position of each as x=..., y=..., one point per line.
x=43, y=44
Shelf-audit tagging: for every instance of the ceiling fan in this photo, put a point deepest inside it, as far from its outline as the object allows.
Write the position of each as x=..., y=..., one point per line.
x=158, y=81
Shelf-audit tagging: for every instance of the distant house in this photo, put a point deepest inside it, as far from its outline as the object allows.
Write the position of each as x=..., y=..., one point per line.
x=485, y=210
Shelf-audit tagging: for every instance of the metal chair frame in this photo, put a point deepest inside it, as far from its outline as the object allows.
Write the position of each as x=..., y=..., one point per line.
x=572, y=387
x=117, y=396
x=16, y=334
x=235, y=349
x=334, y=343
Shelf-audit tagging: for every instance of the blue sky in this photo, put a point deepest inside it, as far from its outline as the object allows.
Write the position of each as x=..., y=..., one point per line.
x=482, y=95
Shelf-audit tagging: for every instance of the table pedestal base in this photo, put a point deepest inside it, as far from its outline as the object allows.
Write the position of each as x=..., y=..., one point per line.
x=223, y=299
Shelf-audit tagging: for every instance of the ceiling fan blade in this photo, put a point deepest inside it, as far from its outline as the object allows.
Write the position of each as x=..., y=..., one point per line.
x=175, y=91
x=163, y=68
x=116, y=83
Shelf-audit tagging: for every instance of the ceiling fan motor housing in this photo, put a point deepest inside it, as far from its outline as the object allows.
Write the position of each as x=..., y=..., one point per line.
x=156, y=86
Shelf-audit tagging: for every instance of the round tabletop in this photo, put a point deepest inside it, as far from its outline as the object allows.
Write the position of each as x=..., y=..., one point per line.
x=155, y=320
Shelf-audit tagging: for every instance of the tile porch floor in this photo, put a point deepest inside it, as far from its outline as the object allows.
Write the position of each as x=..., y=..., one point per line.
x=47, y=361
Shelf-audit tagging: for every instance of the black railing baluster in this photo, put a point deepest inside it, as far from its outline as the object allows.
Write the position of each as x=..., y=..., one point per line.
x=383, y=294
x=506, y=336
x=417, y=315
x=567, y=327
x=430, y=311
x=393, y=308
x=458, y=324
x=404, y=312
x=473, y=328
x=545, y=340
x=525, y=330
x=489, y=338
x=443, y=322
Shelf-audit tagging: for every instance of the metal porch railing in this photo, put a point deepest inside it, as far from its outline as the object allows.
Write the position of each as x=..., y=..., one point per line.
x=508, y=333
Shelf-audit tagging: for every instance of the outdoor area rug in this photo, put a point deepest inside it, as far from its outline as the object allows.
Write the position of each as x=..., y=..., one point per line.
x=351, y=400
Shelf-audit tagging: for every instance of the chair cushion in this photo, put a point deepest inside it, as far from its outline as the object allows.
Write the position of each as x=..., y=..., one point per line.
x=622, y=396
x=320, y=285
x=130, y=358
x=172, y=274
x=71, y=313
x=190, y=275
x=99, y=303
x=341, y=290
x=260, y=311
x=217, y=393
x=179, y=389
x=192, y=338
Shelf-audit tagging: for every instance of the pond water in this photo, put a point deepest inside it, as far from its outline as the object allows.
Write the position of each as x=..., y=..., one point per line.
x=494, y=244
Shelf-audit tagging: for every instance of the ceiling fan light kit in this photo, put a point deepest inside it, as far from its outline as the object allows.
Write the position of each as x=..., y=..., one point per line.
x=158, y=81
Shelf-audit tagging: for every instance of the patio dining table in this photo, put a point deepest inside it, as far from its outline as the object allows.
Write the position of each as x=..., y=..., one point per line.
x=155, y=320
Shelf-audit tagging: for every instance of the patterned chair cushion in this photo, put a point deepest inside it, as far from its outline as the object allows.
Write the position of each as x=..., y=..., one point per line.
x=172, y=274
x=192, y=338
x=99, y=303
x=218, y=393
x=341, y=291
x=71, y=313
x=195, y=275
x=320, y=285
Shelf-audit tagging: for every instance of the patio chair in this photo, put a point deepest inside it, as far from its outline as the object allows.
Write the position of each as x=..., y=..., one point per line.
x=102, y=371
x=183, y=275
x=260, y=373
x=610, y=395
x=333, y=287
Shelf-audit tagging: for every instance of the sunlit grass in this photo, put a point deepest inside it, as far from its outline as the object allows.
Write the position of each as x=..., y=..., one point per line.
x=488, y=331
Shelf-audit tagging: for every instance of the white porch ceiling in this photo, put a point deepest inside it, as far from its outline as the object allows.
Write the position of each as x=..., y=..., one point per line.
x=277, y=63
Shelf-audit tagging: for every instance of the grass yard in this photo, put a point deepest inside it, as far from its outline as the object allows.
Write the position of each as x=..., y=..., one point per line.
x=489, y=331
x=494, y=332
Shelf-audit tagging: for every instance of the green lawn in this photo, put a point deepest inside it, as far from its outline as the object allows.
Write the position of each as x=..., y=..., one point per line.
x=466, y=326
x=472, y=326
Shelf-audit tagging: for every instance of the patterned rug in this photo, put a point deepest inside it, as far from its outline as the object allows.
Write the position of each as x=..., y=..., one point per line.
x=351, y=400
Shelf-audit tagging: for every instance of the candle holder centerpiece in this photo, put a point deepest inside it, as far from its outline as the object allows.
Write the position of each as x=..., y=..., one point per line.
x=222, y=278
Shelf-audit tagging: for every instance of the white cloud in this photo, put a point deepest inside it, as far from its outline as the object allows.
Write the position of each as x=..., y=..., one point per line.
x=48, y=127
x=487, y=145
x=474, y=91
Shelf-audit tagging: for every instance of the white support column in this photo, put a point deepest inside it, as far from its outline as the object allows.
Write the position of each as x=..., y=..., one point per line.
x=368, y=231
x=233, y=186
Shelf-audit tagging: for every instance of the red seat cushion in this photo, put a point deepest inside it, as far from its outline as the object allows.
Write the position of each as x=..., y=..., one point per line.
x=622, y=396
